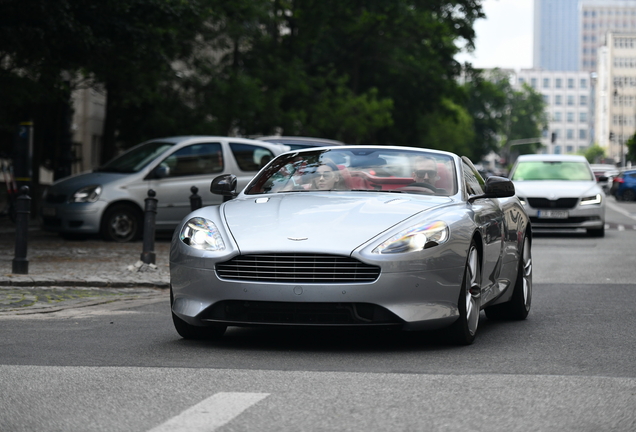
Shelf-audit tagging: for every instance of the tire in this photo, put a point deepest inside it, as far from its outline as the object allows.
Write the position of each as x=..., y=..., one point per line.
x=518, y=307
x=121, y=223
x=629, y=195
x=464, y=330
x=596, y=232
x=188, y=331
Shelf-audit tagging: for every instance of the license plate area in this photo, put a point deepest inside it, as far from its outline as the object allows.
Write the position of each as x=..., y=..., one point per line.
x=552, y=214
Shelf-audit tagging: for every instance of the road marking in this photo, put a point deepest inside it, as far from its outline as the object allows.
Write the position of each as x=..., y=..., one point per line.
x=212, y=413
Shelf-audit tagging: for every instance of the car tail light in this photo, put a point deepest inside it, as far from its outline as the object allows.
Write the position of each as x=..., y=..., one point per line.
x=619, y=180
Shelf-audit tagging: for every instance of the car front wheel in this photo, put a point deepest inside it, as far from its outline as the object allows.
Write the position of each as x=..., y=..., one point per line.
x=464, y=330
x=121, y=223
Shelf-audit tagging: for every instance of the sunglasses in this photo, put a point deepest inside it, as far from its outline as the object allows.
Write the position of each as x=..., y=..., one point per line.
x=424, y=173
x=328, y=175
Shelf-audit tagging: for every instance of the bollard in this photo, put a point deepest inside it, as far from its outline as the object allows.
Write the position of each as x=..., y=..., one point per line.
x=195, y=200
x=23, y=210
x=150, y=212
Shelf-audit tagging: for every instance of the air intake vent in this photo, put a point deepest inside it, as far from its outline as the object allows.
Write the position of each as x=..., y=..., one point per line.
x=297, y=268
x=561, y=203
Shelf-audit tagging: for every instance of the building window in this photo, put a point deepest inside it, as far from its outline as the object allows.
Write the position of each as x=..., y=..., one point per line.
x=582, y=133
x=570, y=117
x=533, y=83
x=557, y=116
x=546, y=82
x=569, y=149
x=571, y=83
x=583, y=100
x=557, y=149
x=558, y=99
x=546, y=98
x=521, y=81
x=559, y=83
x=583, y=117
x=571, y=100
x=570, y=134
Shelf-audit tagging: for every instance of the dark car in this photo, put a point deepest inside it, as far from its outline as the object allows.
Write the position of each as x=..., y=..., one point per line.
x=624, y=186
x=299, y=143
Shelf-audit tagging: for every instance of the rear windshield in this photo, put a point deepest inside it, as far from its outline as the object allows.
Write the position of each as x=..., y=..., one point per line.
x=137, y=158
x=552, y=170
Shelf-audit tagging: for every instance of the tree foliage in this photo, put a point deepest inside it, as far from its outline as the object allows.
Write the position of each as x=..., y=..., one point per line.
x=503, y=114
x=363, y=71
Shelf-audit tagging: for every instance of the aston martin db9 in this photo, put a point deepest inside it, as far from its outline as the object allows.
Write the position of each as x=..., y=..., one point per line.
x=357, y=236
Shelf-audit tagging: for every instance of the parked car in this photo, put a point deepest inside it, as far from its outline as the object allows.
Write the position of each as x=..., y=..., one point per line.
x=560, y=192
x=604, y=175
x=317, y=238
x=624, y=186
x=110, y=200
x=297, y=143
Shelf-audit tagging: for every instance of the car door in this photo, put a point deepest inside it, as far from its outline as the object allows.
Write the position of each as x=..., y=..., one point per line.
x=489, y=217
x=193, y=165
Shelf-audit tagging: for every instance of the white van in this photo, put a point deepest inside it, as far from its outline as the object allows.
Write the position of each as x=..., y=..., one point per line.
x=110, y=200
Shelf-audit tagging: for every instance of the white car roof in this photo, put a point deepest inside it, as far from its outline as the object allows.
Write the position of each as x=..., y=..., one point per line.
x=552, y=157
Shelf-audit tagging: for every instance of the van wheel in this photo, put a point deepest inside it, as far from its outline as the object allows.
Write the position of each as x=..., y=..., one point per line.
x=121, y=223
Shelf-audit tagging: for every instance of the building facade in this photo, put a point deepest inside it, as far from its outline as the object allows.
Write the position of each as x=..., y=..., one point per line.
x=597, y=18
x=568, y=96
x=556, y=35
x=616, y=94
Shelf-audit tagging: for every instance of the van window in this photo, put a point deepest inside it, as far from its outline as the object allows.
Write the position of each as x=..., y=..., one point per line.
x=196, y=159
x=250, y=157
x=136, y=158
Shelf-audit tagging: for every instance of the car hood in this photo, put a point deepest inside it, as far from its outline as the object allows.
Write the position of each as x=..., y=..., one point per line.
x=315, y=222
x=554, y=189
x=71, y=184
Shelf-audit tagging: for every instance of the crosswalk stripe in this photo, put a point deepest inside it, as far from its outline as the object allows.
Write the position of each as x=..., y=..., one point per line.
x=212, y=413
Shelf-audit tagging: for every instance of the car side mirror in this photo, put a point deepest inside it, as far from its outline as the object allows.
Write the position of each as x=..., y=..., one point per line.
x=162, y=171
x=496, y=187
x=602, y=179
x=224, y=185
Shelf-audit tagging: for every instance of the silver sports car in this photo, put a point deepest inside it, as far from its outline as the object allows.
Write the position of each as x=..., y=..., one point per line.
x=354, y=236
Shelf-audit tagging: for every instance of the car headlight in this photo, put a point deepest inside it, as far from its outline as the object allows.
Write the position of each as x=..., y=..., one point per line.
x=202, y=234
x=416, y=238
x=594, y=199
x=87, y=194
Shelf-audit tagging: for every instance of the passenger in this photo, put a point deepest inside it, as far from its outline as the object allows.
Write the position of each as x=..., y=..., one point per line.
x=328, y=177
x=425, y=173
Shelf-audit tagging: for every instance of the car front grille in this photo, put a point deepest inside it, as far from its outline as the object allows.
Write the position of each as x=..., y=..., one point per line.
x=561, y=203
x=297, y=268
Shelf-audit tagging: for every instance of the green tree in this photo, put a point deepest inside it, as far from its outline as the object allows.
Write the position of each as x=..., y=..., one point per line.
x=594, y=153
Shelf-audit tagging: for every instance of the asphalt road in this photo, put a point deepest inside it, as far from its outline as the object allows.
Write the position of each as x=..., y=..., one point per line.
x=120, y=366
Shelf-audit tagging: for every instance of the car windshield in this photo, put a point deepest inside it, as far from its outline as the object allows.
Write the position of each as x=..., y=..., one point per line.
x=136, y=158
x=366, y=169
x=552, y=170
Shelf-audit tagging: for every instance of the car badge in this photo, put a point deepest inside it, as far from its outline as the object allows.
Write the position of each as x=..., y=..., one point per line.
x=298, y=238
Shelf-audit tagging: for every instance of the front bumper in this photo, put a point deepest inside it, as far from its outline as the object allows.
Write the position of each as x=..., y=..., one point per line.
x=79, y=218
x=412, y=300
x=580, y=217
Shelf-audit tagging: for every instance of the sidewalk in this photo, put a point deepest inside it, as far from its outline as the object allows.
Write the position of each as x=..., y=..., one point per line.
x=55, y=262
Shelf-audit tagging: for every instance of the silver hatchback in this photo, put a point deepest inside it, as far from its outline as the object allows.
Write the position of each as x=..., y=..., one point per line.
x=110, y=200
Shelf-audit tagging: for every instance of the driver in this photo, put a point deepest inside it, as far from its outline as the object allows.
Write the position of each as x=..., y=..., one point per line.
x=425, y=173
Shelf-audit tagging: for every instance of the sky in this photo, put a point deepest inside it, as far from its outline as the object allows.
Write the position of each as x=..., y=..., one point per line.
x=504, y=37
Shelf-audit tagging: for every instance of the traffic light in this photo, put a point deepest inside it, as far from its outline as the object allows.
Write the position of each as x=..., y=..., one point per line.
x=611, y=136
x=553, y=137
